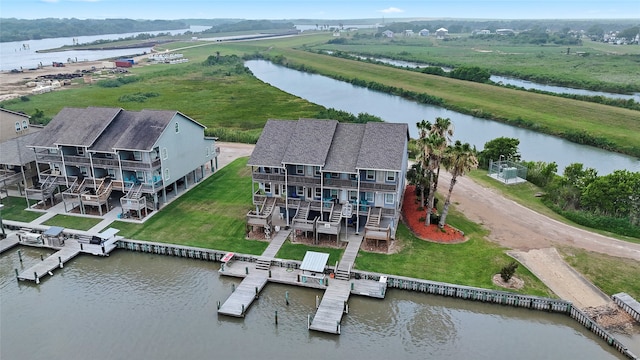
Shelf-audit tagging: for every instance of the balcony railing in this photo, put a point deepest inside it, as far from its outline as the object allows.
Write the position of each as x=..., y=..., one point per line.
x=364, y=186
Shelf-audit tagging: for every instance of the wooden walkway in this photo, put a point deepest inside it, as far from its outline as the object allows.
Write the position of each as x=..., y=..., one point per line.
x=240, y=300
x=43, y=268
x=332, y=306
x=249, y=289
x=8, y=243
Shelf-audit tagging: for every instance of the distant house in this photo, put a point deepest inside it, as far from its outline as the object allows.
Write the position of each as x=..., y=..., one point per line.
x=17, y=162
x=481, y=32
x=442, y=33
x=98, y=154
x=505, y=31
x=409, y=33
x=387, y=33
x=310, y=171
x=424, y=32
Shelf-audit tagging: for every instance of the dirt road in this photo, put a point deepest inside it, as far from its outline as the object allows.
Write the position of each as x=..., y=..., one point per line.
x=517, y=227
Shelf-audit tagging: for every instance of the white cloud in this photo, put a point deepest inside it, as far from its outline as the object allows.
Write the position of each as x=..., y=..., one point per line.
x=50, y=1
x=391, y=10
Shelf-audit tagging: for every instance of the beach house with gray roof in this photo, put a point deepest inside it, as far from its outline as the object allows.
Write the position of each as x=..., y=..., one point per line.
x=99, y=154
x=310, y=171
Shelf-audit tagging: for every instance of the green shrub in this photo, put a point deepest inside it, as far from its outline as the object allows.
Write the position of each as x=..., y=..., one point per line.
x=506, y=273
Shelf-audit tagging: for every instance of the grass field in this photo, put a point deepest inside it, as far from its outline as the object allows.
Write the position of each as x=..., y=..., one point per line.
x=15, y=209
x=72, y=222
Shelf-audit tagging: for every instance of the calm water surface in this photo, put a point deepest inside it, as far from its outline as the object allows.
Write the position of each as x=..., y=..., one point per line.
x=143, y=306
x=533, y=146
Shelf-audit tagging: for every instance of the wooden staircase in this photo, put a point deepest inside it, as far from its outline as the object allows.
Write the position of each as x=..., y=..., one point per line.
x=263, y=264
x=374, y=216
x=342, y=274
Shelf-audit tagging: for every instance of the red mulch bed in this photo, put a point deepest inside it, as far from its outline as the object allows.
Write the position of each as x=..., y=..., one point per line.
x=412, y=214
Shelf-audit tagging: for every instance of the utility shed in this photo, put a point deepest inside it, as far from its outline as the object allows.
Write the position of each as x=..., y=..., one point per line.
x=54, y=236
x=313, y=265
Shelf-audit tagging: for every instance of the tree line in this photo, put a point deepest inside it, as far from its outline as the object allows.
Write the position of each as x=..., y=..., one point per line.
x=26, y=29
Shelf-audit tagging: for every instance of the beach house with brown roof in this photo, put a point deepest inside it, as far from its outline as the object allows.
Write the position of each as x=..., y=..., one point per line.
x=313, y=173
x=99, y=154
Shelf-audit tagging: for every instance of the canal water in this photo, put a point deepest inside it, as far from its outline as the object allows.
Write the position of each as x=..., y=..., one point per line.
x=144, y=306
x=506, y=80
x=340, y=95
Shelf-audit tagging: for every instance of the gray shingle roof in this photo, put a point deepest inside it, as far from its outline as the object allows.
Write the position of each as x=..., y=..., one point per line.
x=337, y=147
x=310, y=143
x=133, y=130
x=383, y=146
x=77, y=127
x=345, y=148
x=15, y=151
x=272, y=144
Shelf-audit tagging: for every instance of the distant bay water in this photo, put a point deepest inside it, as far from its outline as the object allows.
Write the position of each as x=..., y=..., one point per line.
x=23, y=54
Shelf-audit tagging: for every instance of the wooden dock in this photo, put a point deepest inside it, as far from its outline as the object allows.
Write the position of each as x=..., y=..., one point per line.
x=8, y=243
x=248, y=290
x=333, y=305
x=45, y=267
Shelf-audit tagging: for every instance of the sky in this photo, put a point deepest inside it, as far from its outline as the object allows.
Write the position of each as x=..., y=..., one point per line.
x=321, y=9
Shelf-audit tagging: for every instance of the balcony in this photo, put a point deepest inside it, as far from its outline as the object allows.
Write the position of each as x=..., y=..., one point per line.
x=341, y=183
x=76, y=160
x=265, y=177
x=372, y=186
x=47, y=157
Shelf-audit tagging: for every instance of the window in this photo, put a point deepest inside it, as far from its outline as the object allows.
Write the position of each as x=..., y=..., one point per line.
x=299, y=190
x=353, y=177
x=25, y=124
x=335, y=175
x=165, y=154
x=140, y=176
x=267, y=187
x=111, y=173
x=80, y=151
x=353, y=195
x=370, y=175
x=368, y=197
x=166, y=174
x=391, y=176
x=84, y=171
x=137, y=155
x=318, y=193
x=18, y=128
x=299, y=169
x=309, y=192
x=177, y=127
x=316, y=171
x=388, y=199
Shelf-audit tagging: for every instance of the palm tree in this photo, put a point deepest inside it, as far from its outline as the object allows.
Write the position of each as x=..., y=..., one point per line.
x=459, y=160
x=434, y=139
x=444, y=128
x=417, y=176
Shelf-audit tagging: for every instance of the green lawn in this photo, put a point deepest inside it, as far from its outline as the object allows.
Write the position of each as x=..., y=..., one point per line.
x=72, y=222
x=15, y=209
x=297, y=251
x=211, y=215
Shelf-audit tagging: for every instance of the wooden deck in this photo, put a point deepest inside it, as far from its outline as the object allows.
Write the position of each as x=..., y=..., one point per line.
x=248, y=290
x=333, y=305
x=43, y=268
x=8, y=243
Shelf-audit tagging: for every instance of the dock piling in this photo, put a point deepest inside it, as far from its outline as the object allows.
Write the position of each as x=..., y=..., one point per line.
x=218, y=304
x=317, y=301
x=60, y=262
x=246, y=270
x=257, y=296
x=286, y=298
x=35, y=276
x=276, y=317
x=20, y=255
x=16, y=273
x=41, y=257
x=233, y=287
